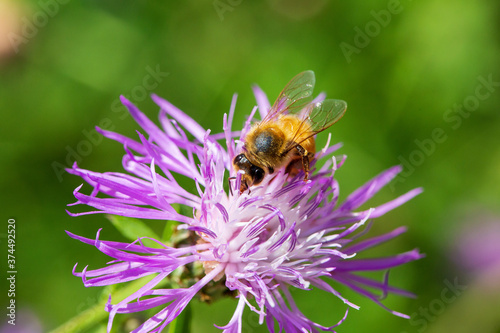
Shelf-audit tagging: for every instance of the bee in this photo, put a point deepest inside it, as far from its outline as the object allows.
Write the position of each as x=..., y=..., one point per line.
x=285, y=137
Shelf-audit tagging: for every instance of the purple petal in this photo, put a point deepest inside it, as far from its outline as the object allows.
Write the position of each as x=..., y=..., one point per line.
x=262, y=101
x=235, y=324
x=365, y=192
x=192, y=126
x=374, y=241
x=376, y=263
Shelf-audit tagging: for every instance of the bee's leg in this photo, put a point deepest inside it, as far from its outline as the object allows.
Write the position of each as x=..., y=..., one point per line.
x=305, y=160
x=244, y=186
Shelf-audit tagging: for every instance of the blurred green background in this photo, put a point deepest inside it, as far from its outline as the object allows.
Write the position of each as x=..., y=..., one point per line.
x=421, y=78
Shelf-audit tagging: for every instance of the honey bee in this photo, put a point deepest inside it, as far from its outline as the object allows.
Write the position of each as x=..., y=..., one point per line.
x=285, y=137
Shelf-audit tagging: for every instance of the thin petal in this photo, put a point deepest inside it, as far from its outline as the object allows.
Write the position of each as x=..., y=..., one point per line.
x=262, y=101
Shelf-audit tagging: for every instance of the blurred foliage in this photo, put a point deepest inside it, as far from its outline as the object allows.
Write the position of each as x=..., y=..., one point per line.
x=67, y=71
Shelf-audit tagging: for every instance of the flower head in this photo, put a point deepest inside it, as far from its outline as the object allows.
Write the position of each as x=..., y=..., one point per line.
x=284, y=233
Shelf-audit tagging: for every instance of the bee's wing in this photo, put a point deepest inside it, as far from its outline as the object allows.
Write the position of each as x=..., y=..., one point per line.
x=325, y=114
x=289, y=100
x=316, y=118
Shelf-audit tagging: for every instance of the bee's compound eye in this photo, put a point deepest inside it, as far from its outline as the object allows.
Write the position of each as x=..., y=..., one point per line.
x=240, y=159
x=257, y=174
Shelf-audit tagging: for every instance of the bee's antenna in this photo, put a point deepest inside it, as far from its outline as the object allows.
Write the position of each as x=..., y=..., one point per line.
x=229, y=182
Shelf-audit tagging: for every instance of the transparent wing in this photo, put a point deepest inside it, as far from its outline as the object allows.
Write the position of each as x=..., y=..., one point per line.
x=316, y=118
x=325, y=114
x=293, y=96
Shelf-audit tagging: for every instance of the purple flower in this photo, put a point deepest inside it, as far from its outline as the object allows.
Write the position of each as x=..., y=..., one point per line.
x=255, y=245
x=476, y=247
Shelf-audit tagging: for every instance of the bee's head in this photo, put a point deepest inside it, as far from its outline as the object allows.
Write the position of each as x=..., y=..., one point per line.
x=253, y=174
